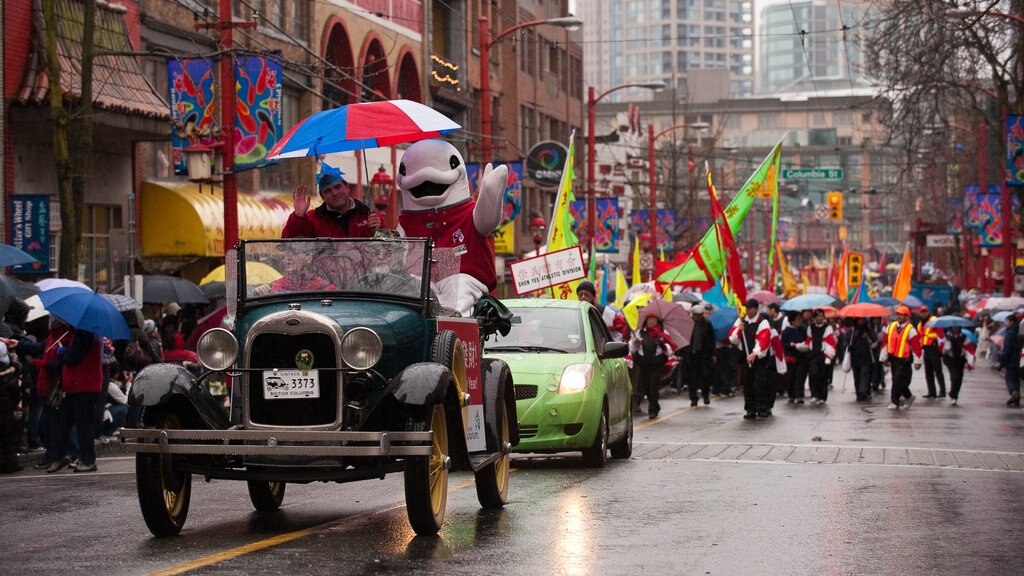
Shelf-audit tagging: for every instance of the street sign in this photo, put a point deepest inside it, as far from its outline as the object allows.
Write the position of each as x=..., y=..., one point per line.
x=812, y=174
x=940, y=241
x=854, y=268
x=821, y=212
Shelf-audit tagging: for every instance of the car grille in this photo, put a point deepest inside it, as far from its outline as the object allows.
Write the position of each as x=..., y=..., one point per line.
x=525, y=391
x=527, y=430
x=273, y=350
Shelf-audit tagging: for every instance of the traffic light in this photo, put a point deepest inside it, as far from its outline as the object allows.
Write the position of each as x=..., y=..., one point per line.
x=835, y=206
x=854, y=268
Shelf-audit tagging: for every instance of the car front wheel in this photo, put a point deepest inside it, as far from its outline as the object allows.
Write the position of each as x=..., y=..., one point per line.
x=266, y=496
x=426, y=478
x=164, y=491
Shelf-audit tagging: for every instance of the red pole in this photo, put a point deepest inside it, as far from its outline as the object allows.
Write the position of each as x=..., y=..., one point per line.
x=652, y=190
x=227, y=121
x=485, y=90
x=591, y=146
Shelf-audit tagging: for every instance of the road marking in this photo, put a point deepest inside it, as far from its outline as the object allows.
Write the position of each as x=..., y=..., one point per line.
x=913, y=466
x=232, y=553
x=661, y=418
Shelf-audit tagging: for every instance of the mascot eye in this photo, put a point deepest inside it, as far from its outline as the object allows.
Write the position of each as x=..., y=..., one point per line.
x=454, y=161
x=401, y=168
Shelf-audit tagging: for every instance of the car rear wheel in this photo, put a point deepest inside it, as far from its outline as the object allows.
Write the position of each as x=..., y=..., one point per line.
x=624, y=448
x=164, y=490
x=426, y=478
x=597, y=455
x=266, y=496
x=492, y=480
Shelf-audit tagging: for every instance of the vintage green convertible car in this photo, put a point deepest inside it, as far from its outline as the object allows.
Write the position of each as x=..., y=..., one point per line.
x=347, y=368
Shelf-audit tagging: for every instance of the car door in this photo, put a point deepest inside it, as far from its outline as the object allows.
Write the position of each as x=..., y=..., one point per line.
x=612, y=372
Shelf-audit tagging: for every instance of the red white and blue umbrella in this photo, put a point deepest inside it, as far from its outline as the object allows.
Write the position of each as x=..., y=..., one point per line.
x=361, y=126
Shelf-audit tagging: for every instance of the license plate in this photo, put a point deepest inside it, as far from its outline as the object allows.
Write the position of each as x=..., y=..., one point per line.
x=290, y=384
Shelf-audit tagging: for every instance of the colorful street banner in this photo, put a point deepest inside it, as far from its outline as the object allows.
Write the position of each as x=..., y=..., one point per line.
x=785, y=235
x=560, y=229
x=191, y=92
x=971, y=206
x=701, y=224
x=606, y=228
x=511, y=205
x=257, y=109
x=990, y=219
x=640, y=220
x=708, y=251
x=954, y=216
x=1014, y=150
x=505, y=239
x=30, y=230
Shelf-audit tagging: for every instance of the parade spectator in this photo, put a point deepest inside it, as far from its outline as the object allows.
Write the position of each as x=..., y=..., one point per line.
x=1009, y=358
x=932, y=355
x=10, y=401
x=862, y=357
x=820, y=345
x=651, y=349
x=752, y=336
x=902, y=346
x=340, y=215
x=796, y=359
x=700, y=356
x=957, y=354
x=115, y=412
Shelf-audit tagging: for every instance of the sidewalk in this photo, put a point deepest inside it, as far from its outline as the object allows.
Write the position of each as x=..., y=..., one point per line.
x=103, y=449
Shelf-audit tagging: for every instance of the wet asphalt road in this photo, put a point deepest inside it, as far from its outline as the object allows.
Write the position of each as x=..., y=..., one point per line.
x=844, y=488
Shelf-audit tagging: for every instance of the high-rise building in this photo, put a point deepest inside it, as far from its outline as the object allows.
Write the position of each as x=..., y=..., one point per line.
x=628, y=41
x=813, y=46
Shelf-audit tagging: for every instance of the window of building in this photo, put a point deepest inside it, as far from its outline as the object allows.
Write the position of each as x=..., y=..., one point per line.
x=842, y=118
x=767, y=121
x=527, y=127
x=97, y=220
x=819, y=119
x=300, y=19
x=280, y=176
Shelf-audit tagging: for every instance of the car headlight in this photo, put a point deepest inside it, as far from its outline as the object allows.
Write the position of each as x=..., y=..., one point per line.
x=575, y=378
x=217, y=349
x=361, y=348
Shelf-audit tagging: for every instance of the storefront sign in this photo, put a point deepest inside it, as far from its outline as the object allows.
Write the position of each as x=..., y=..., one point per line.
x=30, y=230
x=545, y=162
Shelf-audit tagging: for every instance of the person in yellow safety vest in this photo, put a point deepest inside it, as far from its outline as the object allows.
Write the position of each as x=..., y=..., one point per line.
x=930, y=339
x=902, y=346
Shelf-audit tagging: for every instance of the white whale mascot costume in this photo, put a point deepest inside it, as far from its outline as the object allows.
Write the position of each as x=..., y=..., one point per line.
x=436, y=204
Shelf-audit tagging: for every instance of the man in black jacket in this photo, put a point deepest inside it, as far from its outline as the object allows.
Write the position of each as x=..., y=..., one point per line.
x=700, y=356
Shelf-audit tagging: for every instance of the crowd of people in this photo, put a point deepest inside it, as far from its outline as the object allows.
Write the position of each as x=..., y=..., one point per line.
x=63, y=389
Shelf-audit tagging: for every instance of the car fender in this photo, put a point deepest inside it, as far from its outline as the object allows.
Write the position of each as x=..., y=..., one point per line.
x=421, y=384
x=498, y=389
x=160, y=384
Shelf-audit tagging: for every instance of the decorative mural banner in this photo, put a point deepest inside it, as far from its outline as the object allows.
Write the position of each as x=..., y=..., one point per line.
x=640, y=221
x=970, y=207
x=702, y=224
x=606, y=228
x=990, y=225
x=257, y=109
x=30, y=230
x=191, y=94
x=511, y=205
x=954, y=216
x=785, y=233
x=1014, y=150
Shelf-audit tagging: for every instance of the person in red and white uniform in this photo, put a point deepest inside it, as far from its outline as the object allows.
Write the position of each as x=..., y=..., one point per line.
x=820, y=346
x=902, y=346
x=957, y=354
x=752, y=335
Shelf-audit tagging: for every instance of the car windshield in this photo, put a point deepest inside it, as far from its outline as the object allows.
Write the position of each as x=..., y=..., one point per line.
x=545, y=330
x=384, y=267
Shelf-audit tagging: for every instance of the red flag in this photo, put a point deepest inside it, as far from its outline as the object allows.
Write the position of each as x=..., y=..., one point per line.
x=727, y=244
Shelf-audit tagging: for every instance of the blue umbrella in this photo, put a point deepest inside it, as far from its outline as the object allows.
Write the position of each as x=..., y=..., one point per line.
x=912, y=301
x=1001, y=316
x=722, y=320
x=86, y=310
x=886, y=301
x=9, y=256
x=971, y=336
x=807, y=302
x=949, y=322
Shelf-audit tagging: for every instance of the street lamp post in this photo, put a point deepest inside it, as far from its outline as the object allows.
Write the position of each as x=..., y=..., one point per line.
x=652, y=179
x=592, y=101
x=486, y=125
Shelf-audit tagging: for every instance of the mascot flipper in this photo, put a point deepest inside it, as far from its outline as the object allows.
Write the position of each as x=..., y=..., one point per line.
x=437, y=204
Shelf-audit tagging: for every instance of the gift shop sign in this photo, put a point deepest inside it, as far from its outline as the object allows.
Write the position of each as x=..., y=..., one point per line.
x=548, y=270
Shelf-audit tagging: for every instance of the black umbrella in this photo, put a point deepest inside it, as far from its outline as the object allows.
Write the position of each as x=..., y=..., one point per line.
x=159, y=289
x=214, y=290
x=10, y=286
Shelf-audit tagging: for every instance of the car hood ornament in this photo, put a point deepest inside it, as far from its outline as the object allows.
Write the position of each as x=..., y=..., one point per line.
x=304, y=361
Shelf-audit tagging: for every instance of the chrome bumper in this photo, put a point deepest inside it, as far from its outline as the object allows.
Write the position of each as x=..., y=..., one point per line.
x=276, y=442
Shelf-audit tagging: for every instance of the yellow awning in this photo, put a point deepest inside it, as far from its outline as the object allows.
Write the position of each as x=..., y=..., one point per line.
x=180, y=220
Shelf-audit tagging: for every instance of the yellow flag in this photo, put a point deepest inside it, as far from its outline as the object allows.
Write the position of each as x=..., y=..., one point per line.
x=901, y=287
x=560, y=235
x=631, y=311
x=620, y=287
x=636, y=262
x=789, y=287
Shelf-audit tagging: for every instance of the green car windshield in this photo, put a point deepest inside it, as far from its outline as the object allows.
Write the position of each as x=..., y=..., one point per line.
x=544, y=330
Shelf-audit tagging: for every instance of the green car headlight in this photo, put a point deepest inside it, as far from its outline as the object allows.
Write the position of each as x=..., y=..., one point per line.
x=217, y=349
x=575, y=378
x=361, y=348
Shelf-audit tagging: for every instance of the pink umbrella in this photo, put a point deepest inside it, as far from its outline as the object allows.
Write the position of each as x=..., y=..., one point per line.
x=764, y=296
x=676, y=321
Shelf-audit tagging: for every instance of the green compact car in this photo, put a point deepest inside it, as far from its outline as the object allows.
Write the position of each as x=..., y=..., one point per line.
x=571, y=382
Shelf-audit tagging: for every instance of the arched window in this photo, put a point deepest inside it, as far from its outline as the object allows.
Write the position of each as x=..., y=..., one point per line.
x=408, y=79
x=339, y=86
x=376, y=75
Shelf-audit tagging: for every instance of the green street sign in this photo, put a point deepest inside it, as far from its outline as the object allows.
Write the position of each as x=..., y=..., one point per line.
x=813, y=174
